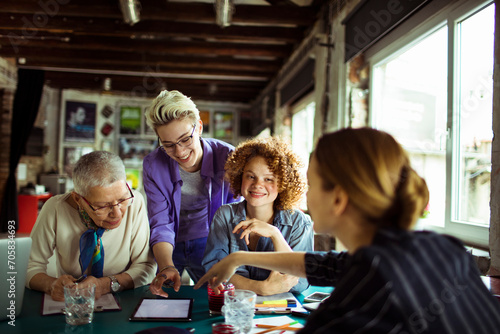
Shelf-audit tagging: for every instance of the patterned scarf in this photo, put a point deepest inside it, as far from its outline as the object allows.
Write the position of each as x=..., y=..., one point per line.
x=91, y=250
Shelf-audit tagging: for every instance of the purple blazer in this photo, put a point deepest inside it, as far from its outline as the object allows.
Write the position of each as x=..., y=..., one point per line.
x=162, y=184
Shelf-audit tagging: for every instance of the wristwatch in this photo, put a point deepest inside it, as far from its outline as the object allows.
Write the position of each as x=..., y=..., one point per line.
x=115, y=285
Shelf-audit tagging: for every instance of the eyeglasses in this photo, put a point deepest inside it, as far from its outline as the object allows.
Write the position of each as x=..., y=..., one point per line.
x=183, y=142
x=106, y=210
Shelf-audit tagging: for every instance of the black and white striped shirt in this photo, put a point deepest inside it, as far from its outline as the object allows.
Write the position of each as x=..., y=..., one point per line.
x=405, y=282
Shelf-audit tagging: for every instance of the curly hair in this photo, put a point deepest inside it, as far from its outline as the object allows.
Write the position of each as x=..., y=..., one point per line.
x=281, y=161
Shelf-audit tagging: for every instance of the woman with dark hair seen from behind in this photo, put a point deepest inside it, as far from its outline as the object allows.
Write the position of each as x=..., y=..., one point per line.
x=363, y=190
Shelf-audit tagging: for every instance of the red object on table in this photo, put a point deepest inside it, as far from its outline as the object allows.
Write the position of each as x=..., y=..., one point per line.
x=223, y=328
x=215, y=302
x=28, y=206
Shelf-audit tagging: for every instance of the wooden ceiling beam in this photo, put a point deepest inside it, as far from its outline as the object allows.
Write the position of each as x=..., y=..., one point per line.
x=281, y=2
x=237, y=84
x=166, y=47
x=17, y=24
x=140, y=58
x=136, y=86
x=154, y=69
x=130, y=90
x=163, y=10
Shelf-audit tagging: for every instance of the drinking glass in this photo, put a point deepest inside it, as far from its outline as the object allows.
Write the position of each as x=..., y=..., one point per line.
x=239, y=309
x=79, y=302
x=215, y=302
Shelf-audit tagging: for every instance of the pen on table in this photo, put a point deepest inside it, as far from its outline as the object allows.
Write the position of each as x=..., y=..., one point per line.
x=273, y=311
x=81, y=278
x=292, y=329
x=276, y=327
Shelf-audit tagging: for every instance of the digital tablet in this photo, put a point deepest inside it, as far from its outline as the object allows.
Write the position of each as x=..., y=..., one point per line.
x=160, y=309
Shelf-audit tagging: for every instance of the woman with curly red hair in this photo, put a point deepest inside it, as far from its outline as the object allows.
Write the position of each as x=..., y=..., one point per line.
x=266, y=172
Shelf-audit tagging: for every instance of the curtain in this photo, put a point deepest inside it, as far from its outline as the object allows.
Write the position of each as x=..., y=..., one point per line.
x=25, y=109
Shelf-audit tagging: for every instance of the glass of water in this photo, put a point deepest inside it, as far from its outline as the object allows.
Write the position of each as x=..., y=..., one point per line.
x=79, y=302
x=239, y=309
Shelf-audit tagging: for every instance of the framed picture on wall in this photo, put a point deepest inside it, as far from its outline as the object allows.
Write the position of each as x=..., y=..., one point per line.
x=205, y=118
x=80, y=122
x=71, y=156
x=130, y=120
x=133, y=177
x=133, y=151
x=147, y=130
x=223, y=123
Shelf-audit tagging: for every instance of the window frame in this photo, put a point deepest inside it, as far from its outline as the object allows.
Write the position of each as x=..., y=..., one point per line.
x=400, y=41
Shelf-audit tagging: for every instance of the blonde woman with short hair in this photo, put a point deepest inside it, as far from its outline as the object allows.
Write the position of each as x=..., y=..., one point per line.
x=184, y=185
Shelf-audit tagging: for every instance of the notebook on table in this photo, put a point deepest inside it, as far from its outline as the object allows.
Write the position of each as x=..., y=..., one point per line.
x=14, y=256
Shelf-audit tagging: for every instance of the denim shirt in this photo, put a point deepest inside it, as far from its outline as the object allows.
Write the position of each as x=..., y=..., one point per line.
x=295, y=227
x=162, y=184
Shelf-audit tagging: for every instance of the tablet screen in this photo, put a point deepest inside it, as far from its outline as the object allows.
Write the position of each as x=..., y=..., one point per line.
x=171, y=309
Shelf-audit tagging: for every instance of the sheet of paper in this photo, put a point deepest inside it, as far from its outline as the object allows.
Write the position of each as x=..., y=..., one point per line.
x=107, y=302
x=273, y=321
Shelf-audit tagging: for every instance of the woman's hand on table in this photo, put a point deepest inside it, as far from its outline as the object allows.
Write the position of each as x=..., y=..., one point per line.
x=220, y=272
x=57, y=286
x=102, y=285
x=169, y=274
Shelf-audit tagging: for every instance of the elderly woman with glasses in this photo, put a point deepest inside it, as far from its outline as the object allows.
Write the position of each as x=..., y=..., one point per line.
x=184, y=185
x=99, y=231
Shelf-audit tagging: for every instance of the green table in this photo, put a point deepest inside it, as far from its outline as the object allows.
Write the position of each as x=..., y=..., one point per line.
x=31, y=321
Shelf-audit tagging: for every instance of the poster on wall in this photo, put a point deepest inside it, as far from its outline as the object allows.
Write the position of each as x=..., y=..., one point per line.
x=147, y=130
x=71, y=156
x=205, y=118
x=130, y=120
x=223, y=122
x=133, y=177
x=133, y=151
x=80, y=122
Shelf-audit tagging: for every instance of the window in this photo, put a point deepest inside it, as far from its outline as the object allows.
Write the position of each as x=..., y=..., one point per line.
x=474, y=133
x=438, y=104
x=303, y=132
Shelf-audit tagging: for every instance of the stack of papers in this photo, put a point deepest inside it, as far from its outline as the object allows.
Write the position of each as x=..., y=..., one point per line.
x=283, y=303
x=275, y=321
